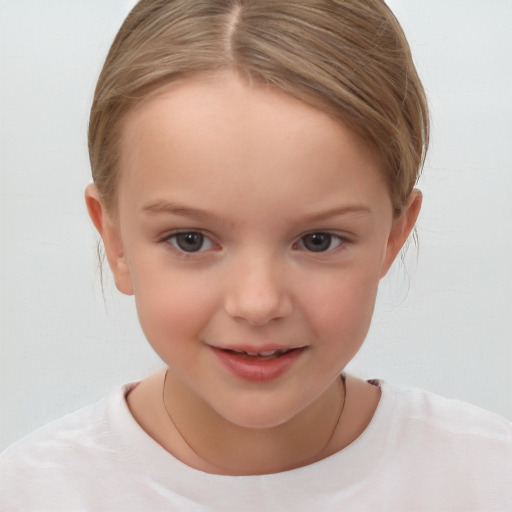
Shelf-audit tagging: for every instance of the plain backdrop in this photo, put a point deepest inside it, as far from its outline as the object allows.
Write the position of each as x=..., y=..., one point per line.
x=443, y=317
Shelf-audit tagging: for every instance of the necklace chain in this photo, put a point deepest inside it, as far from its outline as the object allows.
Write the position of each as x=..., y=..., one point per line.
x=325, y=445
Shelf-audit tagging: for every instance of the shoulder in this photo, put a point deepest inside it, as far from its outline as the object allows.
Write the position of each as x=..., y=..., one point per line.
x=70, y=431
x=61, y=451
x=453, y=417
x=450, y=440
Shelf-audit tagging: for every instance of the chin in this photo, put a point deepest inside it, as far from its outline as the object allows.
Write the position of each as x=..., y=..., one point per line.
x=258, y=414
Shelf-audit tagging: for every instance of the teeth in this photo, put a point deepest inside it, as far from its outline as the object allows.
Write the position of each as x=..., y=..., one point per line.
x=269, y=352
x=263, y=353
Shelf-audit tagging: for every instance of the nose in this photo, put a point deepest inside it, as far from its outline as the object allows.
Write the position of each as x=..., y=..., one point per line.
x=257, y=292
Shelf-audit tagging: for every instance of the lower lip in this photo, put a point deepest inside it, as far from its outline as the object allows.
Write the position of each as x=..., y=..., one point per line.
x=257, y=370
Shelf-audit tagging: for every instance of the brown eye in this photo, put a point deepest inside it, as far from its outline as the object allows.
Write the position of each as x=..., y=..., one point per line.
x=319, y=242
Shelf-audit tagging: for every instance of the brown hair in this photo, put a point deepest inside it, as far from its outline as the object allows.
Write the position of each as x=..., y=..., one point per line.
x=349, y=58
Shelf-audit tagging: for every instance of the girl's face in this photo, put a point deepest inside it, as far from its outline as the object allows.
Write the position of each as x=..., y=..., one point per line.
x=249, y=221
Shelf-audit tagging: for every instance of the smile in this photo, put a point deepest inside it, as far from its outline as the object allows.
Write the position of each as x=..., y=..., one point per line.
x=271, y=354
x=261, y=366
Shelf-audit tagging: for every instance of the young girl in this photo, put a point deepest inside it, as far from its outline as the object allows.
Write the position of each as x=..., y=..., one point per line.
x=254, y=164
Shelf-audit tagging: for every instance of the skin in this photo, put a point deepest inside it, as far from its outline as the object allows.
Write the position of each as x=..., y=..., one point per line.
x=254, y=171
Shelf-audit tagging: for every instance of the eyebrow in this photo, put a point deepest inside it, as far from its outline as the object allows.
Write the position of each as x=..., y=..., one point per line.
x=167, y=207
x=162, y=206
x=336, y=212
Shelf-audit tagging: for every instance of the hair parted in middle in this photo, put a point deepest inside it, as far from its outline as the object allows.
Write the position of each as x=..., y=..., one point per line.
x=348, y=58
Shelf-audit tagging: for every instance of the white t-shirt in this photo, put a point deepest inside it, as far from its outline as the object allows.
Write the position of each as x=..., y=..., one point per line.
x=420, y=452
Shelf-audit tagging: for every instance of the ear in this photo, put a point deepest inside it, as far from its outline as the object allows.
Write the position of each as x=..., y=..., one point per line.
x=401, y=229
x=108, y=228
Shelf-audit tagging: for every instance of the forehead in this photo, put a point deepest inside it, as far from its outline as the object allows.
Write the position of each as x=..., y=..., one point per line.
x=218, y=133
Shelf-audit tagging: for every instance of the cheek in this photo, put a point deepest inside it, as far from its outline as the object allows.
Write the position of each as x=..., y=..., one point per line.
x=341, y=307
x=173, y=307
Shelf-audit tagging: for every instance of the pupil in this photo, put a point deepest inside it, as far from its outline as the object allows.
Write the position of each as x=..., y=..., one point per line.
x=190, y=242
x=317, y=242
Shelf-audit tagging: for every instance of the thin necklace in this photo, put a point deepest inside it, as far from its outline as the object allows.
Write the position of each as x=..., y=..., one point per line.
x=326, y=444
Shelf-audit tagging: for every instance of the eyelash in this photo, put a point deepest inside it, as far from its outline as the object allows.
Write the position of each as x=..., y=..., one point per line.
x=172, y=241
x=331, y=238
x=334, y=242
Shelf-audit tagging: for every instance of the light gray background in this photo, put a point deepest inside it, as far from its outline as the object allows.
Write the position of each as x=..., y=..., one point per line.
x=443, y=319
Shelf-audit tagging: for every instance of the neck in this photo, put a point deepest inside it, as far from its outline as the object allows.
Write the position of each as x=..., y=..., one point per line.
x=207, y=441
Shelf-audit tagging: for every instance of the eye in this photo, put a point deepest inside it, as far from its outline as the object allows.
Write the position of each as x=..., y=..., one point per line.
x=190, y=241
x=319, y=242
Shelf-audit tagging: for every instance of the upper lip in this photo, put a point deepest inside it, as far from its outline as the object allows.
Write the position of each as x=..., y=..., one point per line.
x=257, y=349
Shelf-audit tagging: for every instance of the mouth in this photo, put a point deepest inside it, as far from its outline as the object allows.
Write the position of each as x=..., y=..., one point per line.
x=264, y=355
x=262, y=365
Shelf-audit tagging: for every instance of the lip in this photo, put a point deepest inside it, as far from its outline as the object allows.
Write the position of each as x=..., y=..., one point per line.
x=253, y=348
x=257, y=369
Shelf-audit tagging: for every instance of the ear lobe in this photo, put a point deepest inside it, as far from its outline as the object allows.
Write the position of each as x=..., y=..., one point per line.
x=108, y=228
x=401, y=229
